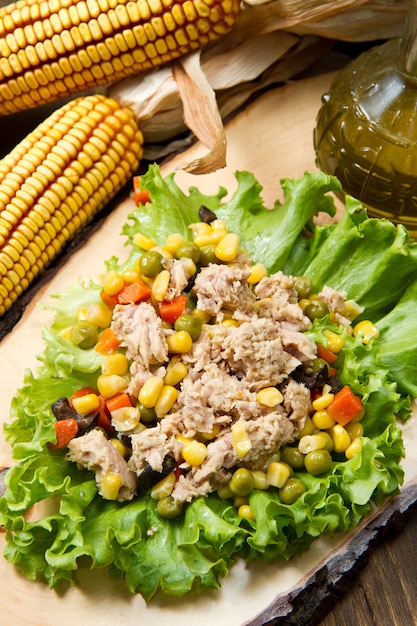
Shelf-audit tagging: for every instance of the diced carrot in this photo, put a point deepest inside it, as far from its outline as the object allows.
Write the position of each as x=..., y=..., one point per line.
x=119, y=401
x=65, y=431
x=108, y=342
x=332, y=371
x=79, y=393
x=140, y=196
x=326, y=354
x=104, y=419
x=171, y=310
x=111, y=301
x=345, y=406
x=134, y=292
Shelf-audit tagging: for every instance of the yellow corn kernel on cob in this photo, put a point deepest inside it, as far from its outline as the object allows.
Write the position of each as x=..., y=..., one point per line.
x=55, y=48
x=56, y=179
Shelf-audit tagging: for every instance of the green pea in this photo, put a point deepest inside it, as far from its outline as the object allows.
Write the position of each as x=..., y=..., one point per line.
x=168, y=508
x=84, y=334
x=150, y=263
x=191, y=323
x=291, y=491
x=317, y=365
x=328, y=441
x=207, y=255
x=147, y=415
x=316, y=309
x=303, y=286
x=293, y=457
x=190, y=251
x=241, y=482
x=318, y=462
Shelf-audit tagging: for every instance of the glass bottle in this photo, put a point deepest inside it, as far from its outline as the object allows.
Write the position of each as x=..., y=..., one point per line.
x=366, y=130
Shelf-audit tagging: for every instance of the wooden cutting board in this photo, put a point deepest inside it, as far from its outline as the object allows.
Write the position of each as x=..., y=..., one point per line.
x=272, y=138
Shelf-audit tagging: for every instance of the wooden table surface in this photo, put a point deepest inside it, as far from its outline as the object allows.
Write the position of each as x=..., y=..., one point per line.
x=384, y=592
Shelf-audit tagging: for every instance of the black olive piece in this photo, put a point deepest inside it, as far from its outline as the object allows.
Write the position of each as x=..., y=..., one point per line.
x=190, y=283
x=335, y=384
x=148, y=477
x=206, y=215
x=62, y=410
x=311, y=381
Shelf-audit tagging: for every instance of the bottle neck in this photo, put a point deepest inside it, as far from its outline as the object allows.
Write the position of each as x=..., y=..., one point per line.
x=408, y=46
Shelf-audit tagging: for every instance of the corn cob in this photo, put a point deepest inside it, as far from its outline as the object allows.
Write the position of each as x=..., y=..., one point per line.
x=54, y=48
x=56, y=180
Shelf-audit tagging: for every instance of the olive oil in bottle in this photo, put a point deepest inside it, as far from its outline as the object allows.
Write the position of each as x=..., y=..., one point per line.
x=366, y=131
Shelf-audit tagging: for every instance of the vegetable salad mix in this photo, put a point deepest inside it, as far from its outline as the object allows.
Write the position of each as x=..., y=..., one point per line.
x=278, y=458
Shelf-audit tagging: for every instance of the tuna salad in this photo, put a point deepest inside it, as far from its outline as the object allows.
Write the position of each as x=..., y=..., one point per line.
x=215, y=377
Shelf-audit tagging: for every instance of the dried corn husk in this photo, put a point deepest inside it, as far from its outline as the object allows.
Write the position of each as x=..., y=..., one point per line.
x=202, y=89
x=272, y=42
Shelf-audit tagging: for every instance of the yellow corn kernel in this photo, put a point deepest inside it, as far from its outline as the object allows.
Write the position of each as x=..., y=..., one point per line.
x=81, y=314
x=131, y=276
x=194, y=453
x=112, y=282
x=162, y=251
x=202, y=315
x=335, y=342
x=86, y=404
x=176, y=370
x=179, y=342
x=367, y=329
x=309, y=443
x=352, y=309
x=260, y=480
x=213, y=433
x=189, y=265
x=303, y=303
x=245, y=510
x=308, y=428
x=323, y=401
x=200, y=228
x=149, y=393
x=341, y=438
x=99, y=315
x=269, y=396
x=125, y=419
x=160, y=285
x=116, y=363
x=277, y=474
x=166, y=400
x=110, y=486
x=231, y=323
x=173, y=242
x=355, y=429
x=322, y=420
x=66, y=333
x=228, y=247
x=118, y=445
x=353, y=448
x=240, y=439
x=219, y=224
x=257, y=272
x=144, y=242
x=182, y=438
x=109, y=385
x=164, y=487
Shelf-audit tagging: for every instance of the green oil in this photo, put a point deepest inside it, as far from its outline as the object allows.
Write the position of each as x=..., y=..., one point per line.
x=366, y=134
